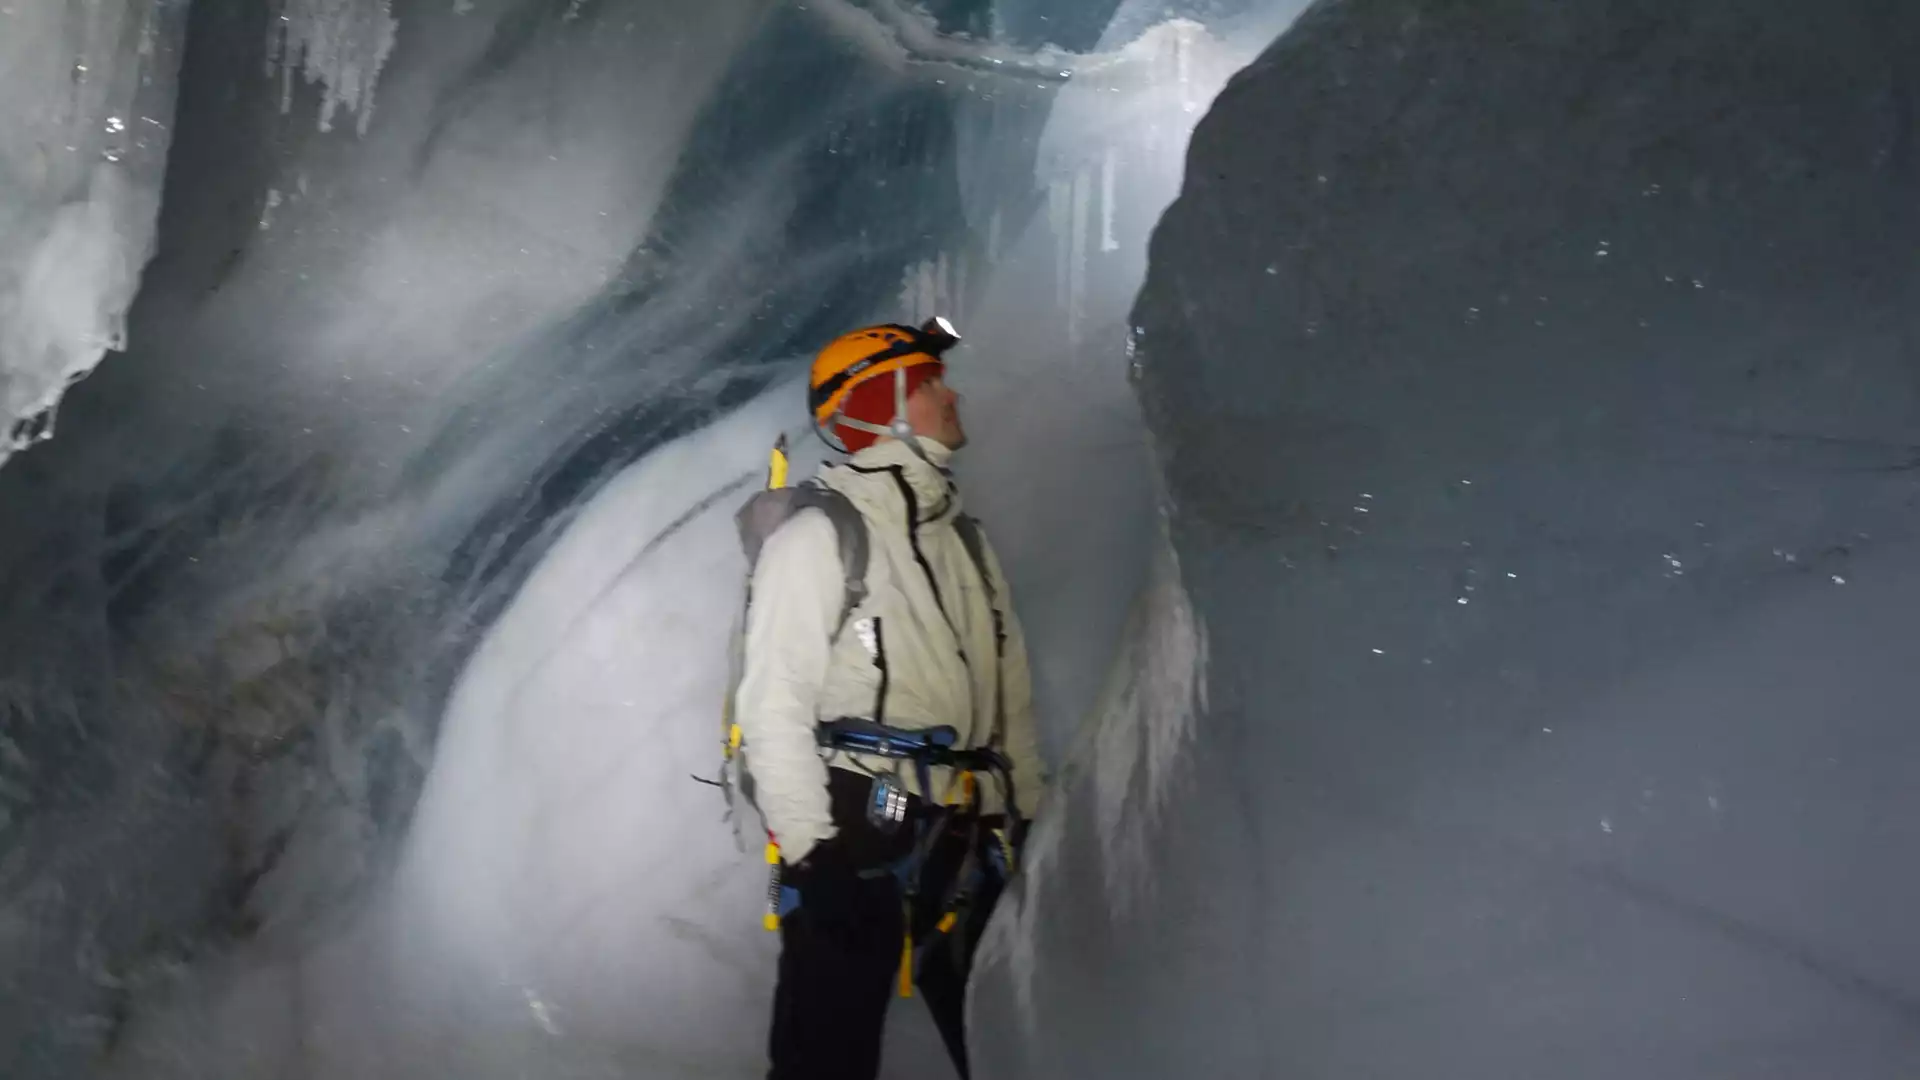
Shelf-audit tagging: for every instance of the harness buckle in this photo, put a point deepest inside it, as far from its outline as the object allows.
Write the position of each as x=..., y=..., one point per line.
x=886, y=805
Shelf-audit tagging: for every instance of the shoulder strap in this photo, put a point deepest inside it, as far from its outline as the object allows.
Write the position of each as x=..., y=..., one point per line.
x=976, y=544
x=770, y=509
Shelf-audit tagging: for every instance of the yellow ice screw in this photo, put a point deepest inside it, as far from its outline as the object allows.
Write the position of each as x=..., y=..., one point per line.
x=771, y=920
x=947, y=922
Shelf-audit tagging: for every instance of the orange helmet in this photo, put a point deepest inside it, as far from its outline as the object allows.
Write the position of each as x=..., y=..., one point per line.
x=855, y=358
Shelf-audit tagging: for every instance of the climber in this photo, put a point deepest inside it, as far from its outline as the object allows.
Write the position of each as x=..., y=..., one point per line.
x=887, y=721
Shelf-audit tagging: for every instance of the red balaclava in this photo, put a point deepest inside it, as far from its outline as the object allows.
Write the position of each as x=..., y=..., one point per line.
x=872, y=402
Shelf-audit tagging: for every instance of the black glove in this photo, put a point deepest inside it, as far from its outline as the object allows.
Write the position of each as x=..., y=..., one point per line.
x=840, y=898
x=1021, y=832
x=825, y=868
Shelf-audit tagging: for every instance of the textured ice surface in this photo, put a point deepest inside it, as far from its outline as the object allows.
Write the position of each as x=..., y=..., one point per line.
x=88, y=87
x=1535, y=387
x=445, y=383
x=1517, y=684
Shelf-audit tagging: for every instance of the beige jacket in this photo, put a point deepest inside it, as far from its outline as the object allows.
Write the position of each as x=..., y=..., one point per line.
x=924, y=634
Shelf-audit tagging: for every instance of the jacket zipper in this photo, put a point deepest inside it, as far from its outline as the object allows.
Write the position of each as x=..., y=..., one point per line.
x=880, y=661
x=926, y=568
x=913, y=541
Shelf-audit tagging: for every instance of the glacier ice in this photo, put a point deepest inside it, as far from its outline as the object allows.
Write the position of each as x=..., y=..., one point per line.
x=385, y=418
x=83, y=144
x=1532, y=743
x=1491, y=644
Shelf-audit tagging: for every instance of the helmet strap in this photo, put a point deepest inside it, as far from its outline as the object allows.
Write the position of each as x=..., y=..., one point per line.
x=901, y=428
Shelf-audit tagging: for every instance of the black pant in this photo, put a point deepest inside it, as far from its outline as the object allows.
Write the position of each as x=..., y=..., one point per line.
x=840, y=952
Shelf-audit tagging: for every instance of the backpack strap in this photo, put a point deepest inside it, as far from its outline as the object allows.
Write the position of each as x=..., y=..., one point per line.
x=976, y=544
x=854, y=546
x=758, y=519
x=770, y=509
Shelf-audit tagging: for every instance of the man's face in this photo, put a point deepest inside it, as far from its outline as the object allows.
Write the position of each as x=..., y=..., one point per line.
x=934, y=411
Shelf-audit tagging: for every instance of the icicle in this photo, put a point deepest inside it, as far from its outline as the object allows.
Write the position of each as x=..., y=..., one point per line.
x=340, y=45
x=1077, y=277
x=1059, y=202
x=1109, y=167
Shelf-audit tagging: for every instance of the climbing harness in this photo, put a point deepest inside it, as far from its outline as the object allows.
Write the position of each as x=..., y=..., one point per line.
x=926, y=749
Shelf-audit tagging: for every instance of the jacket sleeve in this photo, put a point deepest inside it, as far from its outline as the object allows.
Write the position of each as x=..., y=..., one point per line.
x=797, y=590
x=1023, y=737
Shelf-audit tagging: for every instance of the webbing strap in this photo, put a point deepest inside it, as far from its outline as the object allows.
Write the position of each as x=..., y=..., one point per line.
x=768, y=510
x=976, y=545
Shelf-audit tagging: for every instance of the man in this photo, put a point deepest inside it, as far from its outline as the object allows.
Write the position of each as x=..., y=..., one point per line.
x=896, y=835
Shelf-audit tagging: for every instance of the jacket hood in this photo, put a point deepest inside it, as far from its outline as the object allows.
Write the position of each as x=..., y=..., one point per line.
x=934, y=491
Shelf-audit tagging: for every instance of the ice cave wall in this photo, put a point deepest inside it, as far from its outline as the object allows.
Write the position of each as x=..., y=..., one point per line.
x=1535, y=386
x=377, y=370
x=89, y=86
